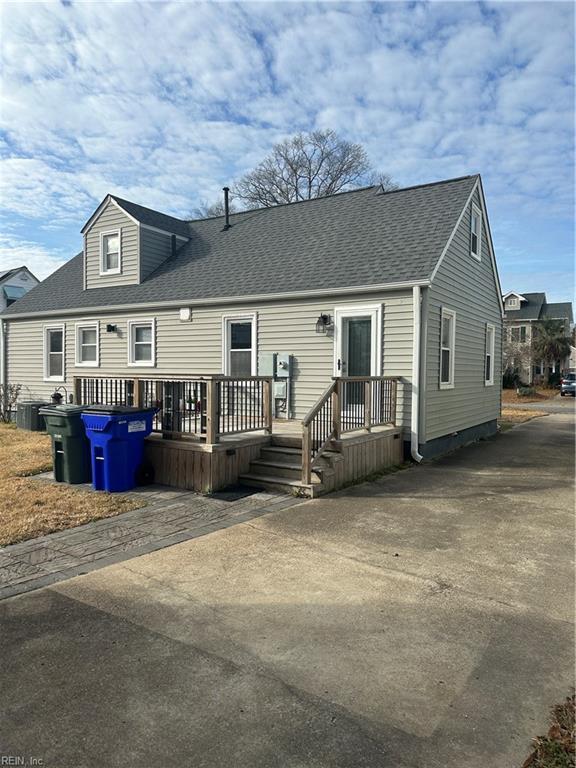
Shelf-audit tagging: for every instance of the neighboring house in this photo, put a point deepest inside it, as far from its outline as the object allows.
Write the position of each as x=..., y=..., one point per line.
x=14, y=283
x=364, y=283
x=522, y=313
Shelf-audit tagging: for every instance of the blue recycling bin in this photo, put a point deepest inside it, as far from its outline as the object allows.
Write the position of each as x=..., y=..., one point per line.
x=116, y=435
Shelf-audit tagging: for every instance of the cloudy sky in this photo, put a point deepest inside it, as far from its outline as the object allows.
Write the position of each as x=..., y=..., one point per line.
x=164, y=103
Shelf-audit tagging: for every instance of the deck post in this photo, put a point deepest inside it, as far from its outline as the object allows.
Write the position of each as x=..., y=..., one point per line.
x=337, y=410
x=267, y=404
x=306, y=455
x=77, y=384
x=136, y=392
x=212, y=411
x=368, y=405
x=393, y=400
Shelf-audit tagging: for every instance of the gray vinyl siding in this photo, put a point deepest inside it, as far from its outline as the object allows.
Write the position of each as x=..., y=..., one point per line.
x=112, y=219
x=186, y=348
x=155, y=248
x=469, y=288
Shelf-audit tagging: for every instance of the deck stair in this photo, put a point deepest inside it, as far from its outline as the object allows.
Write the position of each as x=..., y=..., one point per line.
x=279, y=468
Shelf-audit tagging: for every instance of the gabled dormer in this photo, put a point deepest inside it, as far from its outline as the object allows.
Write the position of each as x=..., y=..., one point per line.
x=513, y=300
x=125, y=242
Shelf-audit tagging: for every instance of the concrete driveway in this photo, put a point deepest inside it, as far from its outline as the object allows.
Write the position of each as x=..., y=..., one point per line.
x=423, y=620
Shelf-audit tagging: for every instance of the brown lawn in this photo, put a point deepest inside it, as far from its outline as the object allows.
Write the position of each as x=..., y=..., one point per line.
x=30, y=508
x=518, y=416
x=541, y=394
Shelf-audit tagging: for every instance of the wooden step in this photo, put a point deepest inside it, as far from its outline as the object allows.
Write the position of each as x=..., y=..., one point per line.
x=276, y=468
x=283, y=484
x=282, y=454
x=286, y=441
x=281, y=469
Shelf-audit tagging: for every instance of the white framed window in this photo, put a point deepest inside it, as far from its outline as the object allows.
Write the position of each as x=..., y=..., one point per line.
x=54, y=352
x=111, y=252
x=239, y=345
x=489, y=360
x=476, y=232
x=142, y=343
x=447, y=343
x=88, y=344
x=512, y=302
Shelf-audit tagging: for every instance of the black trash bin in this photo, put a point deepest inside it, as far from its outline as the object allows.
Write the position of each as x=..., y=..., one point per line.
x=70, y=446
x=28, y=416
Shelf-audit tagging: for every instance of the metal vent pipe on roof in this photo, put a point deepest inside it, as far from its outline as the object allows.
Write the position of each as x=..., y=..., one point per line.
x=226, y=207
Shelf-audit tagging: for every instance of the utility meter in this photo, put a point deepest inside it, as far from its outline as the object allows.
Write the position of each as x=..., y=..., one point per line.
x=283, y=365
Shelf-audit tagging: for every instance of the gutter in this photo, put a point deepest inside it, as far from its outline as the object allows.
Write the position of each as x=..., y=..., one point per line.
x=415, y=410
x=268, y=297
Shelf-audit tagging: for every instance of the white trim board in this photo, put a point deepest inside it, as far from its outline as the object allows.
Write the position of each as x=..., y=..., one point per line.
x=222, y=300
x=110, y=233
x=53, y=327
x=132, y=323
x=77, y=327
x=240, y=317
x=446, y=311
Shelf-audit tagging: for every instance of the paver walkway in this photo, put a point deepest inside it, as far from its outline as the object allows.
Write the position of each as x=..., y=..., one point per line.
x=170, y=516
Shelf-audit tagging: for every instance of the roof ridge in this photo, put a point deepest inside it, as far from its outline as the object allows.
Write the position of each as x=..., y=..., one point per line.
x=285, y=205
x=338, y=194
x=430, y=184
x=121, y=200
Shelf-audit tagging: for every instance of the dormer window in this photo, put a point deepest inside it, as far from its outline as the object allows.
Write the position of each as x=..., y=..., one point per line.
x=110, y=253
x=512, y=303
x=476, y=232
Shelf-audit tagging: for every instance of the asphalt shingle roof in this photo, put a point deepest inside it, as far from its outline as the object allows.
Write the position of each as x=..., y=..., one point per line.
x=153, y=218
x=360, y=238
x=537, y=308
x=558, y=310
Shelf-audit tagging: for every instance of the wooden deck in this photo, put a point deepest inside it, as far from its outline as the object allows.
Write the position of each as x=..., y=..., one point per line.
x=272, y=461
x=213, y=431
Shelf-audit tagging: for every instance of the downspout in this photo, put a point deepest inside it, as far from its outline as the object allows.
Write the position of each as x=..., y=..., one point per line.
x=415, y=410
x=3, y=366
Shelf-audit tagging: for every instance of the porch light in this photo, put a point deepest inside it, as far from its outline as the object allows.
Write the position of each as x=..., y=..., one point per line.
x=323, y=323
x=111, y=328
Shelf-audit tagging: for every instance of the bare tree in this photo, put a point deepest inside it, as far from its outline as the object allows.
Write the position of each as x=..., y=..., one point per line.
x=305, y=166
x=8, y=398
x=384, y=180
x=207, y=210
x=516, y=358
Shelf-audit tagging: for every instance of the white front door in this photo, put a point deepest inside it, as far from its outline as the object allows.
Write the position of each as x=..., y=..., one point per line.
x=358, y=340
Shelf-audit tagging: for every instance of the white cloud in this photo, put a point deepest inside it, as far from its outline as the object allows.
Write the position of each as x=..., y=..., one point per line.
x=39, y=260
x=163, y=103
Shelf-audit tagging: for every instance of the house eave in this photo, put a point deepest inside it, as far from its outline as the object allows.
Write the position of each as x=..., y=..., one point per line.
x=219, y=300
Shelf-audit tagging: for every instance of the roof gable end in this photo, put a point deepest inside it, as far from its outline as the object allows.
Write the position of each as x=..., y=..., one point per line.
x=96, y=215
x=513, y=293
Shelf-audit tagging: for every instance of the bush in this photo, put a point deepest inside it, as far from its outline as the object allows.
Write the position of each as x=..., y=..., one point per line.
x=510, y=380
x=8, y=399
x=554, y=379
x=526, y=391
x=556, y=749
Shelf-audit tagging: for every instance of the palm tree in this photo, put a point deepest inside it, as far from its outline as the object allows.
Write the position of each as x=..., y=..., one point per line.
x=550, y=343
